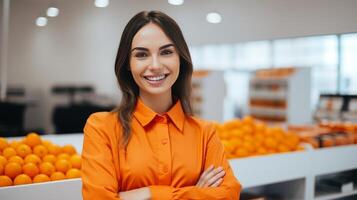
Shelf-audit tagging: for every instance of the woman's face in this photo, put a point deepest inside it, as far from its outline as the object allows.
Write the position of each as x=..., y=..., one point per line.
x=154, y=61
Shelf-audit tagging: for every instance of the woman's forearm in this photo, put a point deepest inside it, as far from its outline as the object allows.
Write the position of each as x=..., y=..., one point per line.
x=136, y=194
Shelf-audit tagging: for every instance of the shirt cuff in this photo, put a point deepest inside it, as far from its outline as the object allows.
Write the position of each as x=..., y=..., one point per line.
x=160, y=192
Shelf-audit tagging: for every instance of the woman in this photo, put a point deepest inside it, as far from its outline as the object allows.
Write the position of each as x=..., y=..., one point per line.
x=151, y=147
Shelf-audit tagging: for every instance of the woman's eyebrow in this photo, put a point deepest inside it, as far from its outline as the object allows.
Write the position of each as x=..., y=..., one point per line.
x=146, y=49
x=140, y=48
x=165, y=46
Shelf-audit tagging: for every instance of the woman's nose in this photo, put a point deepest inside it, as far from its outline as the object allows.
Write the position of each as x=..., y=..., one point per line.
x=155, y=63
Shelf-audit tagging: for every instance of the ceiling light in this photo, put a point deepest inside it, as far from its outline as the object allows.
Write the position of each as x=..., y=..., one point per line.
x=41, y=21
x=176, y=2
x=214, y=18
x=101, y=3
x=52, y=12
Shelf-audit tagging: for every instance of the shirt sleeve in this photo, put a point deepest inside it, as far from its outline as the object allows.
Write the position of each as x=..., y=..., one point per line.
x=99, y=180
x=228, y=190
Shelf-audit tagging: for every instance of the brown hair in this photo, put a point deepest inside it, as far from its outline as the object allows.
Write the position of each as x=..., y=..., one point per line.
x=181, y=89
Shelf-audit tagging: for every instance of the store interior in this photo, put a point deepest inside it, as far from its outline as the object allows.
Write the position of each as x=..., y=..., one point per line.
x=278, y=78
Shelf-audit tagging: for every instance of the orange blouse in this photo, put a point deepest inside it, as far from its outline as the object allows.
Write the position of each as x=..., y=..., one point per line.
x=166, y=153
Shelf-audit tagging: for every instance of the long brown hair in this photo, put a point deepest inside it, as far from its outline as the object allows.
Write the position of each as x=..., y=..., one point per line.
x=181, y=90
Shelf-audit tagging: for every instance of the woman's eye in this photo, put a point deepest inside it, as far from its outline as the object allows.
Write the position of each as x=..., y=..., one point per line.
x=166, y=52
x=140, y=55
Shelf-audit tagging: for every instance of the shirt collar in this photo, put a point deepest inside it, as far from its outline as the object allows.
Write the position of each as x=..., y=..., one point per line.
x=145, y=115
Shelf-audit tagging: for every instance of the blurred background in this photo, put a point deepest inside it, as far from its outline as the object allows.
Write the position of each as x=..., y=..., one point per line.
x=285, y=65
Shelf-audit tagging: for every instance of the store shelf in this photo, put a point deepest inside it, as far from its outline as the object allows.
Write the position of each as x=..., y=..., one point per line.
x=262, y=170
x=267, y=111
x=300, y=168
x=335, y=196
x=294, y=90
x=278, y=95
x=56, y=190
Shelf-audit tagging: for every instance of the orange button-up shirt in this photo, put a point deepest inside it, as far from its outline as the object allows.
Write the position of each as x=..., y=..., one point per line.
x=166, y=153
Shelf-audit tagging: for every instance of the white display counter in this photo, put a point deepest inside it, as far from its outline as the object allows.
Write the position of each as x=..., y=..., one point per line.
x=294, y=172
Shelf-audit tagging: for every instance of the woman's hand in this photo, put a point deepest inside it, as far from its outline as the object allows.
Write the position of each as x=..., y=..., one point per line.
x=212, y=177
x=137, y=194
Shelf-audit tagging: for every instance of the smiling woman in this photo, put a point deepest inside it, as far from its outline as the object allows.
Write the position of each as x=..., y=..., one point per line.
x=151, y=147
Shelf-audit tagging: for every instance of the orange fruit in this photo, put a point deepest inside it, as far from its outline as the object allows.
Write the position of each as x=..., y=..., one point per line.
x=33, y=139
x=47, y=168
x=249, y=120
x=41, y=178
x=238, y=133
x=14, y=144
x=22, y=179
x=33, y=158
x=12, y=169
x=58, y=176
x=261, y=151
x=63, y=165
x=5, y=181
x=63, y=156
x=30, y=169
x=3, y=160
x=9, y=152
x=270, y=143
x=75, y=161
x=40, y=150
x=1, y=169
x=241, y=152
x=23, y=150
x=3, y=143
x=47, y=143
x=248, y=146
x=69, y=149
x=17, y=159
x=283, y=148
x=54, y=149
x=73, y=173
x=49, y=158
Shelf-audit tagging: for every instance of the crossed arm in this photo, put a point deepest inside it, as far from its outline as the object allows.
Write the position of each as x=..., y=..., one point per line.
x=100, y=182
x=211, y=177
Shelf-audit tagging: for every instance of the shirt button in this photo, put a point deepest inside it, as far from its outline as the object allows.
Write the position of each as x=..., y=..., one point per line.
x=164, y=141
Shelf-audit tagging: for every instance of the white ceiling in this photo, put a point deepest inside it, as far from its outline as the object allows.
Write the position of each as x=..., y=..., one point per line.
x=243, y=20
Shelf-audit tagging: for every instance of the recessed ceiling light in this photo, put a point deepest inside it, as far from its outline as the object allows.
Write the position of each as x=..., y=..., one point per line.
x=52, y=12
x=41, y=21
x=214, y=18
x=176, y=2
x=101, y=3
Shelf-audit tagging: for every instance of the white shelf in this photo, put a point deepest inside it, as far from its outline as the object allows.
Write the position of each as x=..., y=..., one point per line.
x=263, y=170
x=295, y=89
x=267, y=111
x=301, y=167
x=56, y=190
x=269, y=80
x=269, y=95
x=336, y=196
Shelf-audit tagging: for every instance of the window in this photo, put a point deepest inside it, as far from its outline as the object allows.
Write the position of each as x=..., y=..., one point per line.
x=318, y=52
x=348, y=79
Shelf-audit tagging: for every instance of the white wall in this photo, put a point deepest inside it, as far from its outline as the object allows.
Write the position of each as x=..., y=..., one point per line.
x=79, y=46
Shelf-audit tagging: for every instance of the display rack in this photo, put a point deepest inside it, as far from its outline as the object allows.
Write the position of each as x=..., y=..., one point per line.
x=208, y=94
x=281, y=95
x=292, y=174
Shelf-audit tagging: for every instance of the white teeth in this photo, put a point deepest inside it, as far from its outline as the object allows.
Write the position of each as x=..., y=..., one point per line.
x=155, y=78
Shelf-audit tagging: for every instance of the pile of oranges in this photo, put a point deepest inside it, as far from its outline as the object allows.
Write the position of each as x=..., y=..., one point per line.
x=248, y=137
x=34, y=160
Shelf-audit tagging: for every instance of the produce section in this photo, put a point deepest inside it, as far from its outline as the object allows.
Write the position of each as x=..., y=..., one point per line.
x=248, y=137
x=34, y=160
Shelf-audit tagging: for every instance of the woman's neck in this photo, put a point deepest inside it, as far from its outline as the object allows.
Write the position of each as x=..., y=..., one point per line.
x=158, y=103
